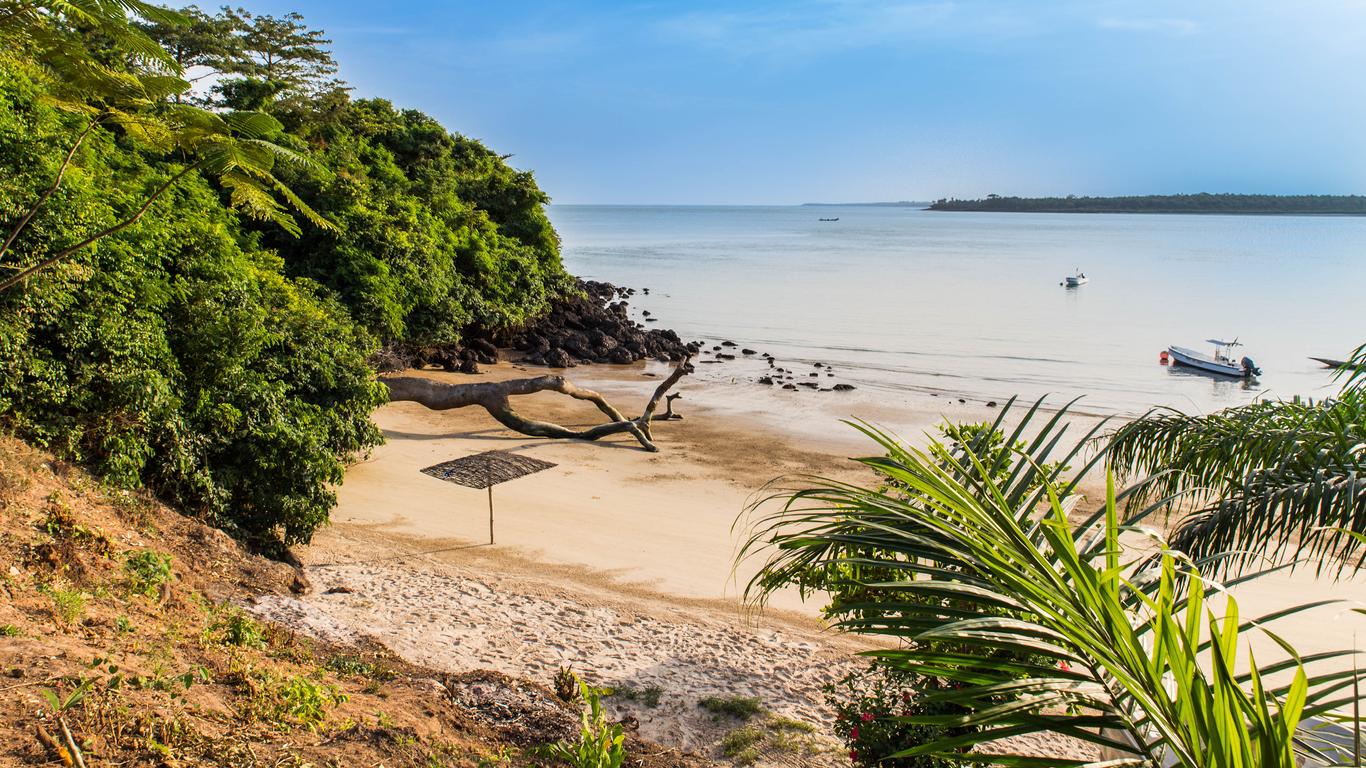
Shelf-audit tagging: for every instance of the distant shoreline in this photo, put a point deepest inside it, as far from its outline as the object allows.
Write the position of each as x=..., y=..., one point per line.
x=1207, y=204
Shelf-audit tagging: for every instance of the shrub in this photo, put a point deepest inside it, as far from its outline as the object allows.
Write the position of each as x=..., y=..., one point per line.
x=147, y=570
x=308, y=701
x=742, y=744
x=566, y=685
x=601, y=743
x=238, y=629
x=738, y=707
x=649, y=696
x=68, y=604
x=867, y=705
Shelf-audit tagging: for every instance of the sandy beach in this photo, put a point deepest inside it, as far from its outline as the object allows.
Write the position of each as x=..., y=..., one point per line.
x=618, y=562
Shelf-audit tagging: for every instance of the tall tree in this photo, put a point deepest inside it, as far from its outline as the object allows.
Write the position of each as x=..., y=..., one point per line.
x=201, y=45
x=283, y=51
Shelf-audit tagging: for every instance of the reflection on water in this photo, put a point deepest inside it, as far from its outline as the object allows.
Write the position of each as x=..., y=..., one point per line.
x=962, y=304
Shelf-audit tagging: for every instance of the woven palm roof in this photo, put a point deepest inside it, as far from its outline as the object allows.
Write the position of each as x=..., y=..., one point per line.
x=482, y=470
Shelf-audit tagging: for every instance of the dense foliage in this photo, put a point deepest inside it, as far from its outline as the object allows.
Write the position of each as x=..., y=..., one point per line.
x=168, y=319
x=1201, y=203
x=1063, y=627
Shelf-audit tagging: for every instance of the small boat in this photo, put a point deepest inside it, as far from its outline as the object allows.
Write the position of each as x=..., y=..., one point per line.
x=1075, y=279
x=1221, y=362
x=834, y=219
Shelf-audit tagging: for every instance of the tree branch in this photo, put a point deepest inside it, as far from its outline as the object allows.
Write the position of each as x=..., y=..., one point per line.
x=130, y=221
x=494, y=397
x=61, y=172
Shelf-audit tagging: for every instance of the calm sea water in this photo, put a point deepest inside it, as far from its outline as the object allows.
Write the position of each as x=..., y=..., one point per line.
x=903, y=301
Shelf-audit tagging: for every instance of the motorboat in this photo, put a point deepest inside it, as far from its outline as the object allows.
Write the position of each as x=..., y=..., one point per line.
x=1076, y=279
x=1221, y=362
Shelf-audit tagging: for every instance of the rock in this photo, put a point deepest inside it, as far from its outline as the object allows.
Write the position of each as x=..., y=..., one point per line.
x=766, y=380
x=724, y=356
x=991, y=403
x=485, y=352
x=558, y=358
x=813, y=374
x=645, y=312
x=961, y=400
x=748, y=352
x=716, y=349
x=788, y=386
x=469, y=366
x=817, y=365
x=809, y=384
x=843, y=388
x=340, y=589
x=729, y=344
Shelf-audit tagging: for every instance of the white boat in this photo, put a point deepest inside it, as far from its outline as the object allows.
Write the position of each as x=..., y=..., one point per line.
x=1221, y=362
x=1076, y=279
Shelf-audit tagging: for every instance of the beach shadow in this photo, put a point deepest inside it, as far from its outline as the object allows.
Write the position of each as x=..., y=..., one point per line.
x=495, y=435
x=403, y=556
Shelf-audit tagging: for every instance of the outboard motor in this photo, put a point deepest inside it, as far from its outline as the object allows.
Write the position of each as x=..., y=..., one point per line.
x=1250, y=368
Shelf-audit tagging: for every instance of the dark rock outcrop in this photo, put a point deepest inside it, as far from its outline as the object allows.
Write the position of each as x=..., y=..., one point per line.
x=592, y=328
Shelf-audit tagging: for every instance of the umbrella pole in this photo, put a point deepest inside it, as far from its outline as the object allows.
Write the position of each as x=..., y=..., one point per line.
x=488, y=475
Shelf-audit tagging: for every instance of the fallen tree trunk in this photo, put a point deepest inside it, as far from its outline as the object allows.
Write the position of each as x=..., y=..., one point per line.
x=495, y=397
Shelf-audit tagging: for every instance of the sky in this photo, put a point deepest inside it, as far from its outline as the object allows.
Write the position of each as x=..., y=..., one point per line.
x=869, y=100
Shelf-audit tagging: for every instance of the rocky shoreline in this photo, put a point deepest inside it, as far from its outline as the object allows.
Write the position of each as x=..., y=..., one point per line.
x=595, y=326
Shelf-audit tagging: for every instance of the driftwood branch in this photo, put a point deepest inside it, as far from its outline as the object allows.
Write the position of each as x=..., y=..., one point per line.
x=495, y=397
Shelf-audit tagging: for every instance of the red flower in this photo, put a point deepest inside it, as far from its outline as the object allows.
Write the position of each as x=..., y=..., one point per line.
x=866, y=717
x=853, y=734
x=853, y=755
x=1064, y=666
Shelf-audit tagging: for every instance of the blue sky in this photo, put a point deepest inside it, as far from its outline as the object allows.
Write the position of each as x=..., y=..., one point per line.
x=843, y=100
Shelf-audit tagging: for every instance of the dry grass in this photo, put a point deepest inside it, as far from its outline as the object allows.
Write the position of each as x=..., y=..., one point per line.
x=166, y=670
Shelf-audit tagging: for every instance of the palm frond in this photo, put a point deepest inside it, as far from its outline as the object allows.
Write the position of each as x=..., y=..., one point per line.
x=1036, y=626
x=1259, y=479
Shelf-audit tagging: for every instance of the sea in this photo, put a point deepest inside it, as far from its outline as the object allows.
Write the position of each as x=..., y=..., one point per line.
x=902, y=302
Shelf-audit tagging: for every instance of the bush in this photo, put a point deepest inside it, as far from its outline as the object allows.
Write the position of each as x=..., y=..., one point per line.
x=601, y=744
x=238, y=629
x=738, y=707
x=68, y=605
x=867, y=706
x=147, y=570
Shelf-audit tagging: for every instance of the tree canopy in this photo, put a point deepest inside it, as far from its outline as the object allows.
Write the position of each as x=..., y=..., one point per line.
x=193, y=279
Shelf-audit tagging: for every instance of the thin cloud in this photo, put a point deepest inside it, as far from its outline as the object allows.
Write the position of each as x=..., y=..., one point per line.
x=827, y=26
x=1161, y=26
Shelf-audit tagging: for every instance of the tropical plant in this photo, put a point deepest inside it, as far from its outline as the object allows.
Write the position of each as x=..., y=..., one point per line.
x=601, y=743
x=232, y=148
x=1262, y=480
x=1040, y=626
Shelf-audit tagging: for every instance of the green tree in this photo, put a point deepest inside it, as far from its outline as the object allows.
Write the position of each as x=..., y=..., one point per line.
x=282, y=51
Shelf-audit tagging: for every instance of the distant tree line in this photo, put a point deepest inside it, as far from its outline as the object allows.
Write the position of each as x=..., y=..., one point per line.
x=192, y=279
x=1341, y=205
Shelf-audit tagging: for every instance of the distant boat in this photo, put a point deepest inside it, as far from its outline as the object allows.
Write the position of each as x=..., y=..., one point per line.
x=1221, y=362
x=834, y=219
x=1075, y=279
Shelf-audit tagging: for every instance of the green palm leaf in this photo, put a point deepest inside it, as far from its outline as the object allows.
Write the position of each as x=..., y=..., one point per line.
x=989, y=588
